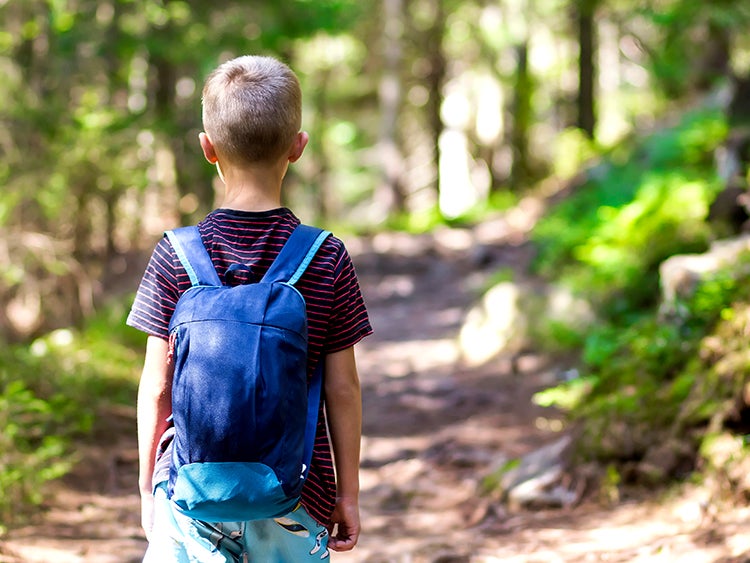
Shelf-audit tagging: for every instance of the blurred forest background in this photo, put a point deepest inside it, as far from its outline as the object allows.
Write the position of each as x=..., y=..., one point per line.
x=631, y=116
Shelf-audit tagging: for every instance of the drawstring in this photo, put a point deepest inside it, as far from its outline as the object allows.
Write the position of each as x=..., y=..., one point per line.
x=230, y=543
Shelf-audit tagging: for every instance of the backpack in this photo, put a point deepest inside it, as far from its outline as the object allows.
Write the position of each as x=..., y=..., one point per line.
x=244, y=414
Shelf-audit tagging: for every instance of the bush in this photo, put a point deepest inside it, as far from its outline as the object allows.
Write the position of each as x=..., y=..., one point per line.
x=51, y=393
x=637, y=208
x=644, y=378
x=31, y=449
x=657, y=378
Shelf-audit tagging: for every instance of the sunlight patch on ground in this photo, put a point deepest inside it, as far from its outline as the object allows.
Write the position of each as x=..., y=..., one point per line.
x=86, y=527
x=662, y=531
x=36, y=554
x=400, y=359
x=393, y=286
x=76, y=551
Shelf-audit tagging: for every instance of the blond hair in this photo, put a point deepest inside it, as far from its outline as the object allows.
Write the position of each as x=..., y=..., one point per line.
x=252, y=109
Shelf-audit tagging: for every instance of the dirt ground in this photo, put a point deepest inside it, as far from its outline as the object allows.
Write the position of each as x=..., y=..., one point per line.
x=433, y=429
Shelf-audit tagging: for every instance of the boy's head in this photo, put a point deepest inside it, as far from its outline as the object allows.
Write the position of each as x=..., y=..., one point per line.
x=252, y=109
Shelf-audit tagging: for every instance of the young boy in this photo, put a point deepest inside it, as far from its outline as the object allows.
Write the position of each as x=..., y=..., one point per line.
x=252, y=118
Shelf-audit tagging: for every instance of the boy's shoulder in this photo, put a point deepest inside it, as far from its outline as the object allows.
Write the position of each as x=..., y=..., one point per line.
x=276, y=224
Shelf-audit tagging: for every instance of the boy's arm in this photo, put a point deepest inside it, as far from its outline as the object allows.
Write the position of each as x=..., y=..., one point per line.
x=344, y=411
x=154, y=407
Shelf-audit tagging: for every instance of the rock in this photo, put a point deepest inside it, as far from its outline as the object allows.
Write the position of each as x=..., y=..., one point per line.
x=535, y=481
x=663, y=460
x=510, y=313
x=728, y=459
x=561, y=305
x=680, y=275
x=494, y=325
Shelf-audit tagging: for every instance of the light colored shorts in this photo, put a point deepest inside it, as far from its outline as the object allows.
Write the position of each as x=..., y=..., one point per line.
x=176, y=538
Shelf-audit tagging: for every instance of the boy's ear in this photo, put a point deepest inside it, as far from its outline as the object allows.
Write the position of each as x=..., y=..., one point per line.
x=208, y=148
x=298, y=146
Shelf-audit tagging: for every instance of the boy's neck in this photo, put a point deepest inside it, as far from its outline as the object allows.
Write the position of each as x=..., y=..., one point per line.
x=252, y=189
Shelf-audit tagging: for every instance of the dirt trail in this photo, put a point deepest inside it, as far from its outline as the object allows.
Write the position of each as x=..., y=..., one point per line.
x=432, y=430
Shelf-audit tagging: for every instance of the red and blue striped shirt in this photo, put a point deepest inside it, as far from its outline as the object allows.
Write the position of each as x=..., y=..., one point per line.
x=337, y=317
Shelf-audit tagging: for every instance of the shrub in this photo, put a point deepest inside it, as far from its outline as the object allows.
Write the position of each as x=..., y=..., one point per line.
x=51, y=393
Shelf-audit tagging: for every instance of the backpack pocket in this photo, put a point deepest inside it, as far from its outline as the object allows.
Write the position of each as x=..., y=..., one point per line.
x=230, y=492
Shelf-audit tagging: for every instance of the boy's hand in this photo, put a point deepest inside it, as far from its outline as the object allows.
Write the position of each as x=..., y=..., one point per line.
x=147, y=513
x=346, y=519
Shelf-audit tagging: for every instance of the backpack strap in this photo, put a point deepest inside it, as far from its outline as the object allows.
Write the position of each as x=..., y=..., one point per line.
x=290, y=264
x=296, y=254
x=313, y=406
x=189, y=248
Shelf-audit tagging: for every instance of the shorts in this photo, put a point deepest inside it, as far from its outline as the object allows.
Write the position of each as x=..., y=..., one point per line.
x=176, y=538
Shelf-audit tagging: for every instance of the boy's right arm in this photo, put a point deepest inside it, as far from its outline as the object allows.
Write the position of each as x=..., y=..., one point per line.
x=154, y=407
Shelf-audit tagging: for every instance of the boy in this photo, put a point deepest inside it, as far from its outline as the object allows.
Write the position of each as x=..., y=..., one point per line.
x=252, y=118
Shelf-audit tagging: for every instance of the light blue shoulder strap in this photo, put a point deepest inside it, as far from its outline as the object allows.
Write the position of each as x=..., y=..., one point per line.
x=189, y=248
x=290, y=264
x=296, y=254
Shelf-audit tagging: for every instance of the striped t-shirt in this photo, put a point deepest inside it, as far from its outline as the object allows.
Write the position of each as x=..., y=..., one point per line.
x=337, y=317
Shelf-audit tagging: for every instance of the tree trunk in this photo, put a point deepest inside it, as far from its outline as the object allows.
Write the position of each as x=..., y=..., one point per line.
x=713, y=62
x=585, y=21
x=322, y=161
x=520, y=172
x=435, y=82
x=188, y=179
x=389, y=195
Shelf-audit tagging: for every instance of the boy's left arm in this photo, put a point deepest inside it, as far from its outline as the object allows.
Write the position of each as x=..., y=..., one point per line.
x=344, y=411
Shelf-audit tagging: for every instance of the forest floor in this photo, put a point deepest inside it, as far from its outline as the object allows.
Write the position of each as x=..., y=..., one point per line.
x=434, y=427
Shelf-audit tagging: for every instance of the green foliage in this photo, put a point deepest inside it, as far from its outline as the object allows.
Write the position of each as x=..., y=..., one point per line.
x=430, y=218
x=566, y=396
x=497, y=277
x=422, y=221
x=623, y=253
x=31, y=444
x=714, y=381
x=497, y=202
x=573, y=149
x=674, y=62
x=713, y=298
x=54, y=392
x=636, y=209
x=99, y=128
x=644, y=375
x=559, y=336
x=639, y=357
x=658, y=375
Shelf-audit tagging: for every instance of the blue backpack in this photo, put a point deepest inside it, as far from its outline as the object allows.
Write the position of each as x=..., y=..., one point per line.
x=244, y=415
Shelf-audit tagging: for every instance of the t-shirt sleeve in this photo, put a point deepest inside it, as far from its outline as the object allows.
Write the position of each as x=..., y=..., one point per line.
x=157, y=293
x=349, y=322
